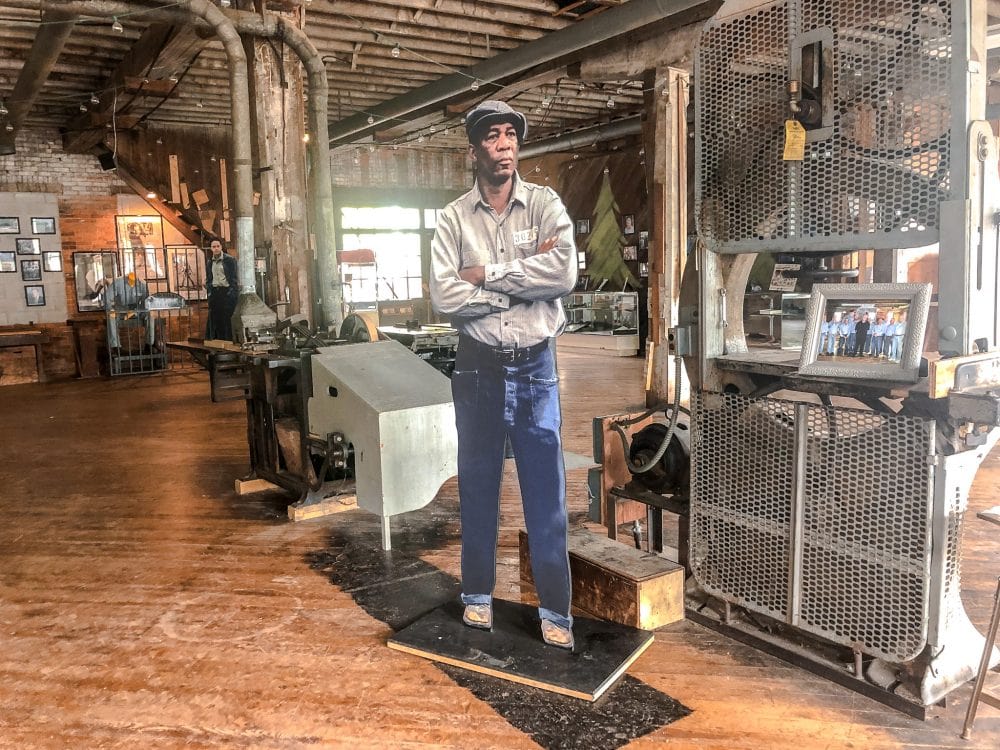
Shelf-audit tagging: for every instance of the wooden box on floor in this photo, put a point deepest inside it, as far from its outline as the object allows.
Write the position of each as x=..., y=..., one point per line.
x=619, y=583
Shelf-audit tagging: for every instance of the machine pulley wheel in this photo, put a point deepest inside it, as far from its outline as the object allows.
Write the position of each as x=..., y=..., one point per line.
x=672, y=473
x=360, y=327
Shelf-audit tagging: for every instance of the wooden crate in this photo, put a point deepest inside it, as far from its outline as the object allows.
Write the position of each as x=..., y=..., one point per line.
x=619, y=583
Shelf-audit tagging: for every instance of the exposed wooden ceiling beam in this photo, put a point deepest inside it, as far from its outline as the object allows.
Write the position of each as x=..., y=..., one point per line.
x=172, y=44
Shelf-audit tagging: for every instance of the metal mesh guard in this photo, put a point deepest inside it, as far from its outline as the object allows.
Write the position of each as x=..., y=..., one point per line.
x=864, y=530
x=873, y=176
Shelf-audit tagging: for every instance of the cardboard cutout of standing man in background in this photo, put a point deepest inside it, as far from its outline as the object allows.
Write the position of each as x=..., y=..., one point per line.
x=502, y=258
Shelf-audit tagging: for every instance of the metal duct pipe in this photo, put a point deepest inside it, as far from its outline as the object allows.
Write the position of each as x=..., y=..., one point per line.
x=45, y=50
x=583, y=138
x=574, y=39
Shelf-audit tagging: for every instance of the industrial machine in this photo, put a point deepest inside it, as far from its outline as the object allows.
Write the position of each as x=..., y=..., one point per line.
x=353, y=416
x=823, y=515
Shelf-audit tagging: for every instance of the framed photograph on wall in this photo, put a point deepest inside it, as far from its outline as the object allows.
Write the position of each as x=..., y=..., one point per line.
x=139, y=232
x=8, y=263
x=583, y=226
x=43, y=225
x=52, y=260
x=186, y=271
x=90, y=272
x=28, y=246
x=628, y=223
x=10, y=225
x=34, y=295
x=630, y=252
x=31, y=270
x=643, y=240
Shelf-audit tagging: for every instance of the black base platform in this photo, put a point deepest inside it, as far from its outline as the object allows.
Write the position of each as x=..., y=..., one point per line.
x=514, y=649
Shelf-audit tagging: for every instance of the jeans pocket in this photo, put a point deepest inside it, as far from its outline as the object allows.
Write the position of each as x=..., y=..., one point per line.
x=465, y=393
x=545, y=402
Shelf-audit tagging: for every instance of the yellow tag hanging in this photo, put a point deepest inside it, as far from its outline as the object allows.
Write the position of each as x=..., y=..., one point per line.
x=795, y=141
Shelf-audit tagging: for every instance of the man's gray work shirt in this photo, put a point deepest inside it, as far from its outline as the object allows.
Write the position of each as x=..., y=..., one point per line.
x=519, y=304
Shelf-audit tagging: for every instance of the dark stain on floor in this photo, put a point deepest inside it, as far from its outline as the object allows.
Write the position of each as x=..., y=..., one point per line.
x=398, y=588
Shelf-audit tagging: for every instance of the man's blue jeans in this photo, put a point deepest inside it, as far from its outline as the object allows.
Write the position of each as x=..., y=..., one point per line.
x=494, y=400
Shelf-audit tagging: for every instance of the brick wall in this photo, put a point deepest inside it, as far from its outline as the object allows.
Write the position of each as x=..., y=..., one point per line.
x=41, y=166
x=386, y=167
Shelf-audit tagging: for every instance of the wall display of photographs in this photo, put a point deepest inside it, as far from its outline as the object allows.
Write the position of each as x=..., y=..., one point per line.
x=10, y=225
x=90, y=271
x=630, y=252
x=28, y=246
x=31, y=270
x=186, y=271
x=52, y=260
x=8, y=263
x=34, y=295
x=43, y=225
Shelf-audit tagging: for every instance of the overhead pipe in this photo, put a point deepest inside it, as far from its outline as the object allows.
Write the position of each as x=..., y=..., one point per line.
x=583, y=138
x=572, y=40
x=52, y=34
x=320, y=178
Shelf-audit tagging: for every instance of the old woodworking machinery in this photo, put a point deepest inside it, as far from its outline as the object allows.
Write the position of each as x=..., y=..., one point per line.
x=823, y=517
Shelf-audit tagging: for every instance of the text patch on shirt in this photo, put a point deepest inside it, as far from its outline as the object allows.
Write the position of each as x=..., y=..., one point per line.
x=526, y=236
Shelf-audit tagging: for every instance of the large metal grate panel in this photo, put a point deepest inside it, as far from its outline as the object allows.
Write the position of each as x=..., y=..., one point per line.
x=876, y=168
x=851, y=561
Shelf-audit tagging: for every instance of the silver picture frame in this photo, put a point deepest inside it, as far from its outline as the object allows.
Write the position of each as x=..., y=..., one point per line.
x=913, y=299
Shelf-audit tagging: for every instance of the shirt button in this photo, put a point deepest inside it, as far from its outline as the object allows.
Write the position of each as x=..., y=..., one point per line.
x=506, y=323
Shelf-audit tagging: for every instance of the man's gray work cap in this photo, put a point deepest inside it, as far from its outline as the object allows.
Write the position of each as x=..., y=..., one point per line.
x=492, y=112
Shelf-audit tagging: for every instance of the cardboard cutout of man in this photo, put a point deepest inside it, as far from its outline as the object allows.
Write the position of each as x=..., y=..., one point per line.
x=503, y=256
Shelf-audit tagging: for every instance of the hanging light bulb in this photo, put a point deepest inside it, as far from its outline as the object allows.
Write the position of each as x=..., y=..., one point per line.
x=576, y=156
x=83, y=107
x=371, y=119
x=432, y=129
x=94, y=99
x=611, y=102
x=174, y=78
x=9, y=128
x=607, y=171
x=619, y=91
x=475, y=85
x=371, y=148
x=420, y=138
x=581, y=87
x=538, y=168
x=151, y=195
x=116, y=25
x=212, y=158
x=395, y=50
x=3, y=109
x=199, y=104
x=305, y=138
x=159, y=141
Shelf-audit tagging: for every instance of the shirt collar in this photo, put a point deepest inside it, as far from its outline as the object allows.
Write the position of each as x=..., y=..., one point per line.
x=519, y=194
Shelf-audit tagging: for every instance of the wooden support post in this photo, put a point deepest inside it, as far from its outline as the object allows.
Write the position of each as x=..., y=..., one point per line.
x=666, y=144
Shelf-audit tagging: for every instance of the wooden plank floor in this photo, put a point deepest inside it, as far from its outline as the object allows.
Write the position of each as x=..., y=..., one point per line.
x=143, y=604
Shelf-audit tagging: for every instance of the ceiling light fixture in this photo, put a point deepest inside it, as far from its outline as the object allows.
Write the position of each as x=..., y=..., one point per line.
x=83, y=107
x=9, y=128
x=611, y=102
x=151, y=195
x=116, y=25
x=174, y=78
x=371, y=119
x=3, y=109
x=94, y=99
x=395, y=51
x=475, y=85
